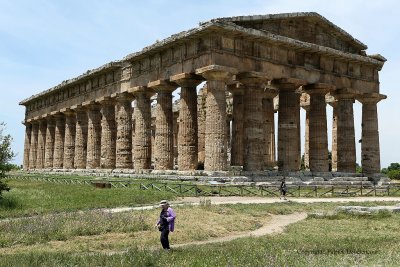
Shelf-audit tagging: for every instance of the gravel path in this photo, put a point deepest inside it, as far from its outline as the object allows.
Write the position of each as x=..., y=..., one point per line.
x=256, y=200
x=275, y=225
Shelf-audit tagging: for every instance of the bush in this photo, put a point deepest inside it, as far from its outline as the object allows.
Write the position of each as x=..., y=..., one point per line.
x=6, y=155
x=394, y=174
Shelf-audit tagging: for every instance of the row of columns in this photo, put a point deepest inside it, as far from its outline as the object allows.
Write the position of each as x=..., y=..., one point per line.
x=99, y=134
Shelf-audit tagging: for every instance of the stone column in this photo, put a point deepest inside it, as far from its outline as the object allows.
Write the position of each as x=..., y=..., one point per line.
x=41, y=144
x=318, y=136
x=215, y=133
x=94, y=135
x=237, y=145
x=333, y=104
x=305, y=104
x=124, y=131
x=81, y=135
x=253, y=128
x=59, y=135
x=201, y=122
x=370, y=152
x=27, y=144
x=142, y=113
x=108, y=134
x=34, y=145
x=164, y=138
x=69, y=140
x=50, y=139
x=289, y=158
x=187, y=129
x=343, y=136
x=269, y=128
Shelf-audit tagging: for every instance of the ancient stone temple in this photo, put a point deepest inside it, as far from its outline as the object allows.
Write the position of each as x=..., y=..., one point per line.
x=103, y=118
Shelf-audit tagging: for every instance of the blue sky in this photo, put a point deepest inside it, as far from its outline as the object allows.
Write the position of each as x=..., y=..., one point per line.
x=45, y=42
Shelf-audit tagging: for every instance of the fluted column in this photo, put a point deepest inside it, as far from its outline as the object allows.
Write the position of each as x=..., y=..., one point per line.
x=81, y=134
x=164, y=142
x=201, y=123
x=370, y=152
x=50, y=139
x=59, y=136
x=318, y=135
x=269, y=128
x=289, y=158
x=237, y=146
x=69, y=140
x=124, y=131
x=94, y=136
x=188, y=126
x=254, y=137
x=33, y=146
x=142, y=114
x=108, y=133
x=343, y=136
x=215, y=133
x=27, y=144
x=41, y=144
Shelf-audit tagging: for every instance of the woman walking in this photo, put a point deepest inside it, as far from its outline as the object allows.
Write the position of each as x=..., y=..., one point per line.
x=283, y=189
x=166, y=223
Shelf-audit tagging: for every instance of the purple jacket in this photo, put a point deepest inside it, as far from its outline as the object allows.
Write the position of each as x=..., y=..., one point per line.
x=171, y=219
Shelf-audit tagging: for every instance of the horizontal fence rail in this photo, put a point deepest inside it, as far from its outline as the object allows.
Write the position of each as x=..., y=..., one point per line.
x=187, y=189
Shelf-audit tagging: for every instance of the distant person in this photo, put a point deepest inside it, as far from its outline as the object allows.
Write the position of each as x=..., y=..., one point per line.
x=283, y=189
x=165, y=223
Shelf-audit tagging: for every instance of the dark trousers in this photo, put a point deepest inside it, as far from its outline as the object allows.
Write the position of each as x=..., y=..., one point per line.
x=164, y=238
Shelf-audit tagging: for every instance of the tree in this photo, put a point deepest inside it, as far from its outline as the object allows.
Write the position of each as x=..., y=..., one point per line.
x=6, y=155
x=392, y=171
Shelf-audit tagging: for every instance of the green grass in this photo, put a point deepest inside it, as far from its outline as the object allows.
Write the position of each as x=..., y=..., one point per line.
x=28, y=198
x=339, y=240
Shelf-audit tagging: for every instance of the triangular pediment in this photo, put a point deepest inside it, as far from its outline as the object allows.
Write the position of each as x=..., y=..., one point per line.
x=307, y=27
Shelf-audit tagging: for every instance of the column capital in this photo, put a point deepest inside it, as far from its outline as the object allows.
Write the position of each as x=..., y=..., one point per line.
x=345, y=93
x=105, y=100
x=236, y=88
x=318, y=88
x=141, y=90
x=252, y=78
x=186, y=79
x=91, y=105
x=67, y=111
x=162, y=85
x=57, y=115
x=370, y=98
x=122, y=97
x=27, y=122
x=77, y=107
x=288, y=83
x=270, y=93
x=216, y=72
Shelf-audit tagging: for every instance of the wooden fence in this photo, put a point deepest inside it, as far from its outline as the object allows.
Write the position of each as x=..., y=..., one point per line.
x=190, y=189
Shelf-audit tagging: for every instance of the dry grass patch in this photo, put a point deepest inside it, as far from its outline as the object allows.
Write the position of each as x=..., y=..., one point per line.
x=192, y=224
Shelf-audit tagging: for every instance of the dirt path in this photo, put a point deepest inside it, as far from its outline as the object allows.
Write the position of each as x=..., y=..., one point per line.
x=275, y=225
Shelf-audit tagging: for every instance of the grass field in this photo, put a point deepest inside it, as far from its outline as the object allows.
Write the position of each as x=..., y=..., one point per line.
x=67, y=232
x=28, y=198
